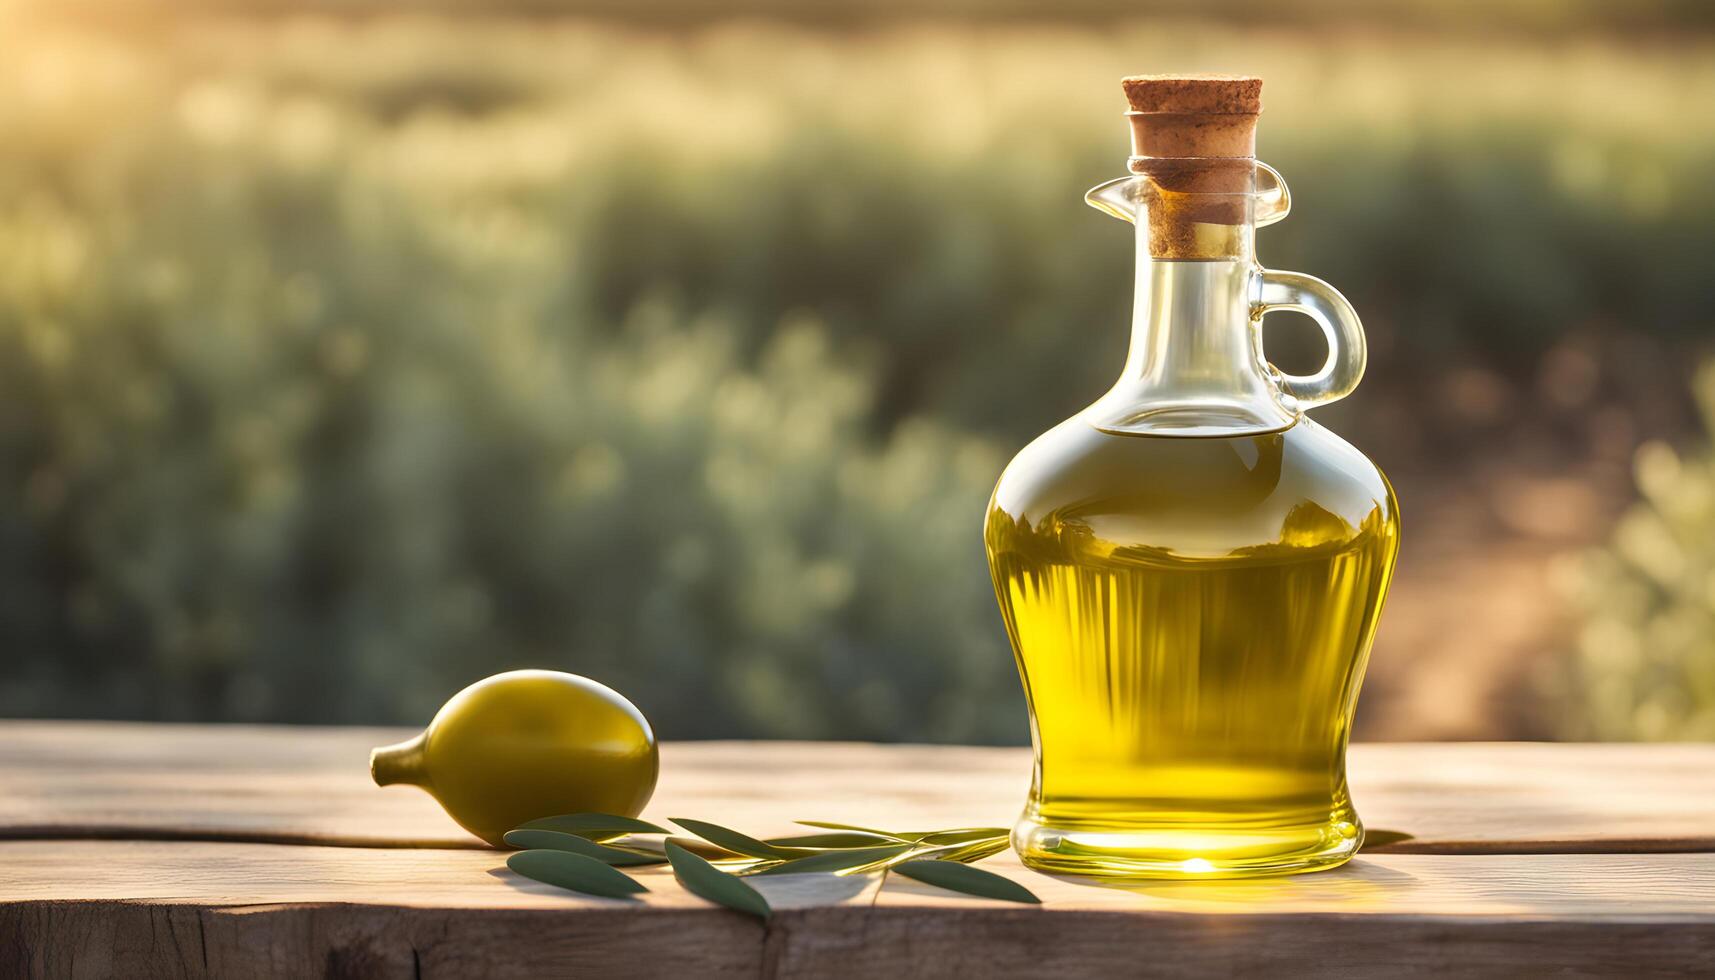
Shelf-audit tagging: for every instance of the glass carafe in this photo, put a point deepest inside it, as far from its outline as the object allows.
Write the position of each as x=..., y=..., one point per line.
x=1191, y=569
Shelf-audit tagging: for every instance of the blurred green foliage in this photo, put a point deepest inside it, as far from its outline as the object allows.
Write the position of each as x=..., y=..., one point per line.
x=1644, y=666
x=343, y=363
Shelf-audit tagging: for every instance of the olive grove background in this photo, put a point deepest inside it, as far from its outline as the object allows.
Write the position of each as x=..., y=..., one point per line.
x=350, y=352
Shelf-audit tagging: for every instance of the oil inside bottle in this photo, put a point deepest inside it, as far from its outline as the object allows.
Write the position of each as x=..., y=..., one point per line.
x=1191, y=617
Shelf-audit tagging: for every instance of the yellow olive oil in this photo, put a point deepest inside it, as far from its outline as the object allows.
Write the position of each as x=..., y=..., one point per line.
x=1191, y=618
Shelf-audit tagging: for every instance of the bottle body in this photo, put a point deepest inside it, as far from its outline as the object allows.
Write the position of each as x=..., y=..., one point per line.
x=1191, y=570
x=1191, y=618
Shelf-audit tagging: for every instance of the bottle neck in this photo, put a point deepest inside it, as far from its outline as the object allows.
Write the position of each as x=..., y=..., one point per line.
x=1195, y=367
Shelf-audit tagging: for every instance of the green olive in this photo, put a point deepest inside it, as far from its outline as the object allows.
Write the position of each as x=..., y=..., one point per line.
x=528, y=744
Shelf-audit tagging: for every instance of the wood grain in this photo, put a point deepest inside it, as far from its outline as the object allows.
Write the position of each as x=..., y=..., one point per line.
x=307, y=785
x=144, y=908
x=1585, y=887
x=129, y=850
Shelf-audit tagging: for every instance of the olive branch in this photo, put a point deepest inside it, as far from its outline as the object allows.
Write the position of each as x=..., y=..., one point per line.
x=584, y=852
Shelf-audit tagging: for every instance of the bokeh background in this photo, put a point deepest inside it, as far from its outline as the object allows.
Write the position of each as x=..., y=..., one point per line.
x=351, y=351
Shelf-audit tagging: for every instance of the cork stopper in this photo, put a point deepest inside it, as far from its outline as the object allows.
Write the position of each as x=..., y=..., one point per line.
x=1240, y=94
x=1193, y=115
x=1194, y=138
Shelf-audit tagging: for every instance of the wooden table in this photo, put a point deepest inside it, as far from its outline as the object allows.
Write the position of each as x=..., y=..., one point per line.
x=142, y=850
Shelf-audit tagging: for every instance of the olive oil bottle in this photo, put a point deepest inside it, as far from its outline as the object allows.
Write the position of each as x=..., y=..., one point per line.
x=1191, y=570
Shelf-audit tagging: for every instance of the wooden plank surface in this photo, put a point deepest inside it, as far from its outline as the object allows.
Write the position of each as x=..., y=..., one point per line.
x=307, y=785
x=1581, y=887
x=105, y=908
x=130, y=850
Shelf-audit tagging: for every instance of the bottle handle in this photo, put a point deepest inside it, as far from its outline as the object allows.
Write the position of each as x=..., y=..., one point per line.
x=1347, y=352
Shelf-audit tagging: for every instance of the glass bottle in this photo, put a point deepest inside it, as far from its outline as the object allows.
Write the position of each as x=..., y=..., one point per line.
x=1191, y=569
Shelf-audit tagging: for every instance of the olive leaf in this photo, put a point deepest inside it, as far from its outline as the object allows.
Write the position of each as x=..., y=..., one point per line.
x=744, y=867
x=955, y=836
x=703, y=849
x=964, y=834
x=825, y=825
x=841, y=860
x=707, y=881
x=732, y=840
x=575, y=872
x=593, y=825
x=850, y=838
x=554, y=840
x=967, y=880
x=973, y=851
